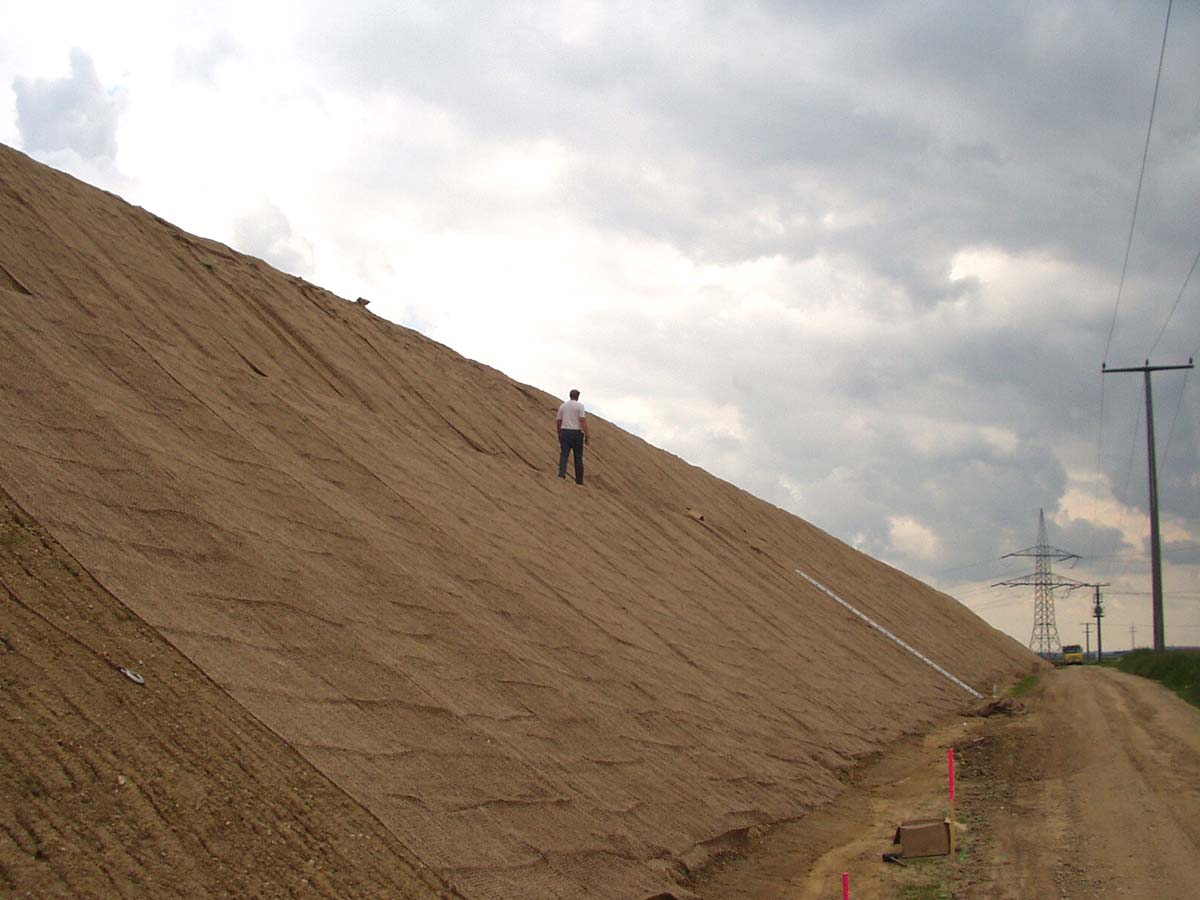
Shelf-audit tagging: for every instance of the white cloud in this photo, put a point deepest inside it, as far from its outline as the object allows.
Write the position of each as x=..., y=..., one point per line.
x=518, y=171
x=266, y=232
x=911, y=539
x=202, y=60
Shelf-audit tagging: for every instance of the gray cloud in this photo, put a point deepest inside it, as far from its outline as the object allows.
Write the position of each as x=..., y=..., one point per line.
x=1177, y=445
x=929, y=128
x=966, y=430
x=75, y=113
x=1182, y=552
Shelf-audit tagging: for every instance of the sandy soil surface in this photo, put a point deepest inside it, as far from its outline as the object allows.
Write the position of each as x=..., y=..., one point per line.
x=1092, y=790
x=111, y=788
x=542, y=690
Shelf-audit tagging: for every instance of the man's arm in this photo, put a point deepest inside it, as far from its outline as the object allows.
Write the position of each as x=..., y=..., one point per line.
x=583, y=425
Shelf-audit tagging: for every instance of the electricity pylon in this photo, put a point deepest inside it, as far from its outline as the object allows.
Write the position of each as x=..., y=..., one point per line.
x=1044, y=641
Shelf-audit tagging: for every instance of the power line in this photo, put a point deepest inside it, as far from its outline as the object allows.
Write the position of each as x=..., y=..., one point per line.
x=1133, y=443
x=1141, y=177
x=1174, y=595
x=1178, y=406
x=993, y=599
x=1123, y=498
x=1125, y=266
x=1099, y=467
x=1161, y=331
x=1142, y=555
x=996, y=603
x=975, y=565
x=1175, y=305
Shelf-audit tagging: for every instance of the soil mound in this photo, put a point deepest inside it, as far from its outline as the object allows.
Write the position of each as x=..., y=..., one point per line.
x=356, y=535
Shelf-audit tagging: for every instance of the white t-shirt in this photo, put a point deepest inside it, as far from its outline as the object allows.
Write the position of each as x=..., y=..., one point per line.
x=570, y=413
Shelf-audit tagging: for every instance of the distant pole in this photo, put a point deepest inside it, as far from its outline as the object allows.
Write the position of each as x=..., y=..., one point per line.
x=1155, y=550
x=1155, y=547
x=1132, y=637
x=953, y=821
x=1087, y=639
x=1098, y=612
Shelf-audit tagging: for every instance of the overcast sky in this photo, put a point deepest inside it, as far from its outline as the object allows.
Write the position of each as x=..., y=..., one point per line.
x=862, y=259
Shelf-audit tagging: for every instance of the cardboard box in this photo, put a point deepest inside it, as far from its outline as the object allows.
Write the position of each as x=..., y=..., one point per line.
x=923, y=837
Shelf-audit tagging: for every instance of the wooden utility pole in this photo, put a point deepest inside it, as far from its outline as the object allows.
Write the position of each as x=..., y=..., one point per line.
x=1087, y=640
x=1160, y=643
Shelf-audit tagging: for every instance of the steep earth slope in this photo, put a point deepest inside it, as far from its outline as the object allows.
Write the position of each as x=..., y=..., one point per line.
x=541, y=690
x=164, y=788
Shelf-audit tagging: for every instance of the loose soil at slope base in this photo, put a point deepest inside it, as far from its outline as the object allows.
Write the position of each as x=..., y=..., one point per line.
x=1091, y=790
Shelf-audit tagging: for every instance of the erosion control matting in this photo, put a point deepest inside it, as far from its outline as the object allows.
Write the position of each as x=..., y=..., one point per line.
x=538, y=689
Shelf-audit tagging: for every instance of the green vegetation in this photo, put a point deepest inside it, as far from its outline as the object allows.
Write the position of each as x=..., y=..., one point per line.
x=928, y=891
x=1177, y=669
x=1025, y=685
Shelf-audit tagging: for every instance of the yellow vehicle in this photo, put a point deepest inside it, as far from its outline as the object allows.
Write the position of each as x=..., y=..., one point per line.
x=1072, y=655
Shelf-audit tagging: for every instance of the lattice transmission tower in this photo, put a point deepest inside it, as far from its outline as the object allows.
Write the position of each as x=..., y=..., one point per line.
x=1044, y=641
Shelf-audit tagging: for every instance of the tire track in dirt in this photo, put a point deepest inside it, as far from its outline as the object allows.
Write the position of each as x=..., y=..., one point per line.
x=1138, y=777
x=1103, y=776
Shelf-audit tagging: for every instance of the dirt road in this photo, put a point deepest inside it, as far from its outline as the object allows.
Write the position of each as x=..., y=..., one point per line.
x=1103, y=788
x=1092, y=791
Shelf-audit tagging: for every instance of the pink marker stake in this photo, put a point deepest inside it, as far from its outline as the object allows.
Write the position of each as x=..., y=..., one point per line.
x=845, y=886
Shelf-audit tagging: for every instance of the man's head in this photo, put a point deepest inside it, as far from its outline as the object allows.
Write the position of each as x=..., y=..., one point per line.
x=574, y=394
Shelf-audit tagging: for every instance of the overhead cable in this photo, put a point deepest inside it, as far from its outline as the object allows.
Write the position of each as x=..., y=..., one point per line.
x=1141, y=177
x=1175, y=305
x=1122, y=499
x=1125, y=264
x=1178, y=407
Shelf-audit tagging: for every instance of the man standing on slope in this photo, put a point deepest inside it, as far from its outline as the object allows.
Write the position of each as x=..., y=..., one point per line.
x=572, y=428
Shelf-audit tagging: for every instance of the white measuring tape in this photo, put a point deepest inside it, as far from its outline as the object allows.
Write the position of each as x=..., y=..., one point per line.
x=911, y=649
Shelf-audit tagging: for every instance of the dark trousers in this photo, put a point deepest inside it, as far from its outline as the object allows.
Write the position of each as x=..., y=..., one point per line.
x=571, y=440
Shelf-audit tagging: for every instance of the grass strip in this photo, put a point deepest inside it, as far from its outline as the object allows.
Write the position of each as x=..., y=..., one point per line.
x=930, y=891
x=1025, y=685
x=1178, y=670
